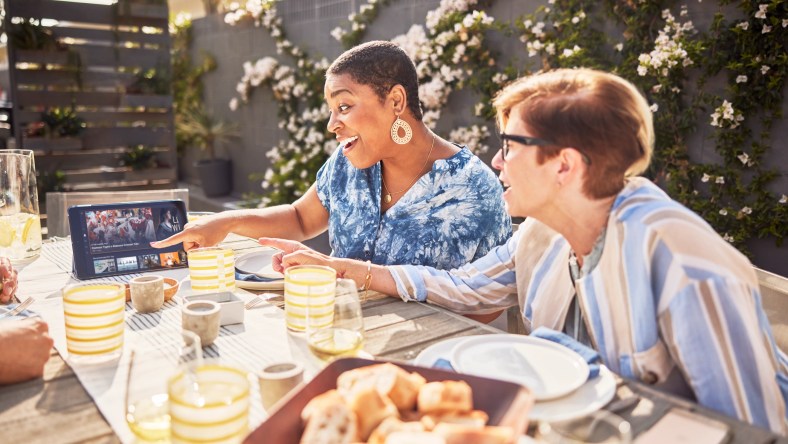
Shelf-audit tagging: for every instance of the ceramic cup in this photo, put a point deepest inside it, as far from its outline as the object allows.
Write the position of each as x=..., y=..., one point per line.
x=202, y=317
x=276, y=380
x=147, y=293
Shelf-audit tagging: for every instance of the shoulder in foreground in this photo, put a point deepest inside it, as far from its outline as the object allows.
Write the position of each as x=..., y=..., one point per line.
x=649, y=219
x=642, y=200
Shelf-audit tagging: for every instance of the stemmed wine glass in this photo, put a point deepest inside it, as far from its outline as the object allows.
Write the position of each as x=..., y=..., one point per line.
x=336, y=328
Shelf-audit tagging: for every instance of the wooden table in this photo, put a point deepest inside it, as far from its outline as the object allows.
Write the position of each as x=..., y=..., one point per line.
x=56, y=409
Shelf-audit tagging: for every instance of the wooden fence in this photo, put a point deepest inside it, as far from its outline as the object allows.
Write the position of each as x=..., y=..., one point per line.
x=106, y=58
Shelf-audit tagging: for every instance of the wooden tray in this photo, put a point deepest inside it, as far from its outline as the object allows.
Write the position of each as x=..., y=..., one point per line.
x=506, y=403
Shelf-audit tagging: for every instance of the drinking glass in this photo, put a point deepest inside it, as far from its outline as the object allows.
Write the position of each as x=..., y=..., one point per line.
x=212, y=269
x=600, y=427
x=95, y=315
x=304, y=285
x=336, y=328
x=209, y=404
x=150, y=366
x=20, y=223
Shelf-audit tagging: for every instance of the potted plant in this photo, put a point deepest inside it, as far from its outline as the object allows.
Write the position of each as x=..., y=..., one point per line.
x=139, y=157
x=208, y=134
x=59, y=128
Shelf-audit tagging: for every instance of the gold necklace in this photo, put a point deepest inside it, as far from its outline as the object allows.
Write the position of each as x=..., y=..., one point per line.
x=387, y=195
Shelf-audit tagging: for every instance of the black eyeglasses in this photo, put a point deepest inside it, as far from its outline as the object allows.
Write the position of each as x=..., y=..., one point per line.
x=535, y=141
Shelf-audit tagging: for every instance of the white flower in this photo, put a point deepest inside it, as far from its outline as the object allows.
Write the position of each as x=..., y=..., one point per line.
x=550, y=48
x=785, y=23
x=527, y=24
x=726, y=114
x=654, y=108
x=477, y=110
x=575, y=20
x=765, y=69
x=766, y=29
x=642, y=70
x=744, y=158
x=743, y=25
x=724, y=212
x=234, y=103
x=619, y=47
x=705, y=178
x=783, y=199
x=761, y=14
x=338, y=33
x=727, y=238
x=720, y=180
x=741, y=79
x=746, y=210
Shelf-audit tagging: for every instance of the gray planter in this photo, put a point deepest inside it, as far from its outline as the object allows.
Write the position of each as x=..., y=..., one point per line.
x=215, y=176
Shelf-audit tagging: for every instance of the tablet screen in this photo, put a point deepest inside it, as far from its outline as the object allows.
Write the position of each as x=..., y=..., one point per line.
x=115, y=239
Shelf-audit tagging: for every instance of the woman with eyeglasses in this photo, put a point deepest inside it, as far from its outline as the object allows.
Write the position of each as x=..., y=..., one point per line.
x=393, y=192
x=605, y=256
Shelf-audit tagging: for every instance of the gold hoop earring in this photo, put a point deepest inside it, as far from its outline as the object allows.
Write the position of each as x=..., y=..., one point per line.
x=395, y=127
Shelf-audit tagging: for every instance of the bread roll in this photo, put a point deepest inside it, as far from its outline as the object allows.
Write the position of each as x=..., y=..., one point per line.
x=370, y=408
x=320, y=402
x=330, y=423
x=446, y=396
x=474, y=418
x=391, y=425
x=466, y=434
x=389, y=380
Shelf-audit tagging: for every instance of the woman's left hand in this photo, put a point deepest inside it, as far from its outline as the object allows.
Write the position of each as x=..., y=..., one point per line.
x=293, y=253
x=8, y=279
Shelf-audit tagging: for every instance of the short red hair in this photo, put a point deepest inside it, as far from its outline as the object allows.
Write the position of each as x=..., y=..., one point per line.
x=600, y=114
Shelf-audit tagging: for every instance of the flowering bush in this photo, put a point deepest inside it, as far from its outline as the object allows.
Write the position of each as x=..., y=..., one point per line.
x=654, y=44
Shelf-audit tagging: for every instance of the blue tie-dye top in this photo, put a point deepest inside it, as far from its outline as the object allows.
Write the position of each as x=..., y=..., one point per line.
x=449, y=217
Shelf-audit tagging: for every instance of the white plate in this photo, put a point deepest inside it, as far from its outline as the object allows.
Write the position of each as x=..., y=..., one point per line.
x=252, y=285
x=258, y=263
x=590, y=397
x=550, y=370
x=439, y=350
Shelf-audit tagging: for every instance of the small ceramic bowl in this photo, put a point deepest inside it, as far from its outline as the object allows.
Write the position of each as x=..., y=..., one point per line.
x=170, y=288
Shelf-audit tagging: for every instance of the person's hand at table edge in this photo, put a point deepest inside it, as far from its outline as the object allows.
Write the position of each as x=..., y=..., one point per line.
x=24, y=350
x=8, y=280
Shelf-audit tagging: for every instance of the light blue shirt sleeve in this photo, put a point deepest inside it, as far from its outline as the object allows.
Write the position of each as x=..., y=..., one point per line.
x=486, y=285
x=713, y=339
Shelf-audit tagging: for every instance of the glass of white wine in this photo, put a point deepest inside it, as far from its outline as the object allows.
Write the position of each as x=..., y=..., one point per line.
x=150, y=368
x=336, y=328
x=20, y=222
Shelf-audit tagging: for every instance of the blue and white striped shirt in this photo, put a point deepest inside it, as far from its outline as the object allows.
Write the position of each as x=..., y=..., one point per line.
x=668, y=294
x=452, y=215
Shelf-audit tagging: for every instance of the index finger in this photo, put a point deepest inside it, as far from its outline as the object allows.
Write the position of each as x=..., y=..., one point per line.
x=170, y=241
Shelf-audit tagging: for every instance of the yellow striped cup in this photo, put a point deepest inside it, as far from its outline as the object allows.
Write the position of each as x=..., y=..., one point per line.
x=209, y=404
x=310, y=286
x=212, y=269
x=95, y=319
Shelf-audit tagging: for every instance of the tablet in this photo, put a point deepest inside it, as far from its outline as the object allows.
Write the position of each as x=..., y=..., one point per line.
x=113, y=239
